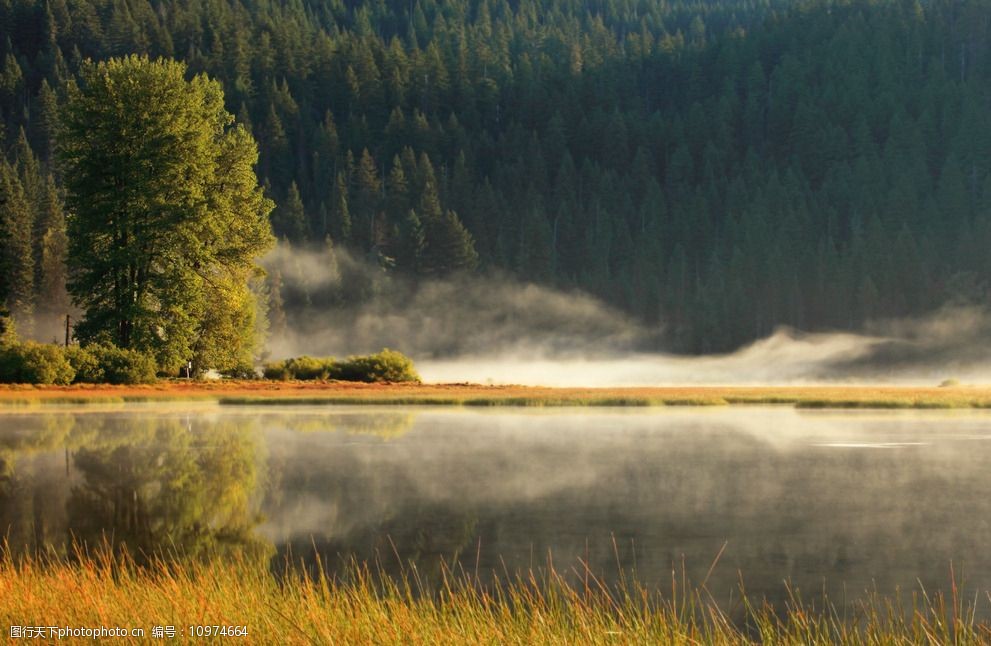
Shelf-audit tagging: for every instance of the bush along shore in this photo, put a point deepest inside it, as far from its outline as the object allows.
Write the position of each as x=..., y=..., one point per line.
x=48, y=364
x=385, y=366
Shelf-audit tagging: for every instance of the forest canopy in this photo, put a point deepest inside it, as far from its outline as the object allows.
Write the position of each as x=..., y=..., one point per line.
x=715, y=169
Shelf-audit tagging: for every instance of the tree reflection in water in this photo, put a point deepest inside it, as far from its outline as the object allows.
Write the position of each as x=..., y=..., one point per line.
x=155, y=486
x=162, y=482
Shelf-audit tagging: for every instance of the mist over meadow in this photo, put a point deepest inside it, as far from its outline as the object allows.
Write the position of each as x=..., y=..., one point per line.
x=496, y=328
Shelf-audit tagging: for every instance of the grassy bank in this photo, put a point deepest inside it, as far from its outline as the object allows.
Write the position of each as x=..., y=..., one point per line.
x=331, y=392
x=107, y=592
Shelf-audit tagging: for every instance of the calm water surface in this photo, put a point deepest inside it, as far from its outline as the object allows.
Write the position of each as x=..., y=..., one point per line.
x=841, y=501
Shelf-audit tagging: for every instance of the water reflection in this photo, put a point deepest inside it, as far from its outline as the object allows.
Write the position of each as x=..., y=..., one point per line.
x=145, y=484
x=837, y=501
x=157, y=484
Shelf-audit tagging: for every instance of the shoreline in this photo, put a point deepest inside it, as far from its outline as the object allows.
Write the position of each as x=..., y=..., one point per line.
x=464, y=394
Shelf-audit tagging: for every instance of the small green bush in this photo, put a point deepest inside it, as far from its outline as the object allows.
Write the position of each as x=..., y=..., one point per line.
x=387, y=365
x=276, y=370
x=35, y=363
x=87, y=366
x=305, y=368
x=45, y=363
x=242, y=371
x=309, y=368
x=122, y=366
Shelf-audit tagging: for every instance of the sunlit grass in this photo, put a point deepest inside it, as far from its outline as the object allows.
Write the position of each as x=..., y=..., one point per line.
x=365, y=608
x=483, y=396
x=348, y=393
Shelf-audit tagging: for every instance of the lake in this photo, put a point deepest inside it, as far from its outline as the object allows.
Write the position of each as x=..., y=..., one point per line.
x=821, y=500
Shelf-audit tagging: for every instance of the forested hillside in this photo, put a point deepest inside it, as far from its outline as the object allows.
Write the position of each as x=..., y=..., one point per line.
x=714, y=168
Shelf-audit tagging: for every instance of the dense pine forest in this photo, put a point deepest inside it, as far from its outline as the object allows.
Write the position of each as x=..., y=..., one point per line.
x=715, y=169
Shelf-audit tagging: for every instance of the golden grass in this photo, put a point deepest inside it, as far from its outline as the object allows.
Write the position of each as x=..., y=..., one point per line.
x=107, y=591
x=320, y=392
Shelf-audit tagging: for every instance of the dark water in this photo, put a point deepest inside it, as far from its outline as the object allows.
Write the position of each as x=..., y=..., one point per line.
x=839, y=501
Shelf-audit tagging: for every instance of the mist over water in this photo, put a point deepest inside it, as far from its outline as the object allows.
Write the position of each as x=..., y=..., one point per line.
x=496, y=329
x=849, y=501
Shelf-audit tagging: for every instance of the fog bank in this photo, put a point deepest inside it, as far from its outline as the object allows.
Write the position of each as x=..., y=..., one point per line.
x=496, y=329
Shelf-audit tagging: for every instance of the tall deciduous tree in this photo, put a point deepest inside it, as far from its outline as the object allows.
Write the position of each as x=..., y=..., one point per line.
x=166, y=217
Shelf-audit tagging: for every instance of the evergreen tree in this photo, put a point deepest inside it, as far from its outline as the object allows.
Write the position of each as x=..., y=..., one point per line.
x=397, y=192
x=409, y=244
x=289, y=219
x=52, y=297
x=340, y=216
x=16, y=220
x=447, y=246
x=367, y=197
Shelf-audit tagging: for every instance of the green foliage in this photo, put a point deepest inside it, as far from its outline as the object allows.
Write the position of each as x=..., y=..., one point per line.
x=387, y=365
x=51, y=247
x=303, y=368
x=276, y=370
x=85, y=363
x=228, y=327
x=122, y=365
x=308, y=368
x=8, y=332
x=16, y=257
x=448, y=247
x=168, y=218
x=244, y=372
x=46, y=363
x=288, y=219
x=35, y=363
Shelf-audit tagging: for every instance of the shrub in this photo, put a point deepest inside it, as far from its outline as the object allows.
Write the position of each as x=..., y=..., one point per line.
x=122, y=366
x=87, y=366
x=35, y=363
x=387, y=365
x=243, y=371
x=45, y=363
x=307, y=368
x=276, y=370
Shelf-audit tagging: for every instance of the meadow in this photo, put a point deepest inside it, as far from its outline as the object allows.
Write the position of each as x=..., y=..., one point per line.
x=103, y=590
x=465, y=394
